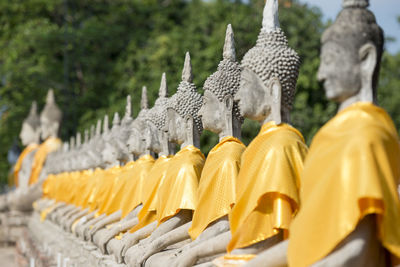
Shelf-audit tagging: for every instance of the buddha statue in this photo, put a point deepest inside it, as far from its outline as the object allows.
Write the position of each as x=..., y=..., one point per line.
x=216, y=193
x=29, y=135
x=351, y=172
x=30, y=138
x=50, y=119
x=184, y=170
x=354, y=182
x=269, y=177
x=15, y=208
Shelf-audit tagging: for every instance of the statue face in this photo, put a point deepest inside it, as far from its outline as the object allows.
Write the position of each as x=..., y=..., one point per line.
x=175, y=125
x=48, y=128
x=339, y=71
x=252, y=96
x=152, y=138
x=121, y=139
x=136, y=141
x=109, y=154
x=212, y=113
x=28, y=135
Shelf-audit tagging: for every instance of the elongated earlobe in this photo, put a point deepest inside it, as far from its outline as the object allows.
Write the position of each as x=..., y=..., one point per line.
x=228, y=101
x=368, y=58
x=275, y=99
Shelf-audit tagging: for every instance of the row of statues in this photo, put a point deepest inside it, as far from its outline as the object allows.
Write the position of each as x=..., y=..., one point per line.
x=123, y=196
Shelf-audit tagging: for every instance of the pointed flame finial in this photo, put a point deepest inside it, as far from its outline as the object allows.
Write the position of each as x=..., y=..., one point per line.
x=229, y=46
x=116, y=119
x=72, y=143
x=105, y=124
x=128, y=107
x=98, y=127
x=270, y=16
x=144, y=102
x=86, y=138
x=78, y=139
x=92, y=131
x=163, y=92
x=50, y=97
x=33, y=110
x=187, y=75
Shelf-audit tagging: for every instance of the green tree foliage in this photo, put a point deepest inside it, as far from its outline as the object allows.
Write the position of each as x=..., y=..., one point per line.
x=94, y=53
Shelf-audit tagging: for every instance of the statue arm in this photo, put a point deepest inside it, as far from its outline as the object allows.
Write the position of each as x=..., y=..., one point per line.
x=172, y=237
x=276, y=256
x=115, y=230
x=72, y=212
x=88, y=225
x=75, y=217
x=114, y=217
x=216, y=228
x=142, y=251
x=132, y=239
x=181, y=218
x=133, y=213
x=127, y=224
x=80, y=227
x=212, y=247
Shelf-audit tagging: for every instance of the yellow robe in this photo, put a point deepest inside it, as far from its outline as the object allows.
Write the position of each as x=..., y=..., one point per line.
x=132, y=196
x=112, y=177
x=352, y=170
x=217, y=187
x=179, y=189
x=268, y=184
x=151, y=185
x=48, y=186
x=51, y=144
x=87, y=177
x=101, y=183
x=117, y=192
x=21, y=157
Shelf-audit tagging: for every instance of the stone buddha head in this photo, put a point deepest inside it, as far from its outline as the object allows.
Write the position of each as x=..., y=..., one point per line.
x=30, y=131
x=351, y=53
x=63, y=157
x=84, y=160
x=156, y=137
x=102, y=141
x=136, y=140
x=183, y=122
x=220, y=113
x=50, y=118
x=94, y=146
x=269, y=73
x=122, y=136
x=110, y=152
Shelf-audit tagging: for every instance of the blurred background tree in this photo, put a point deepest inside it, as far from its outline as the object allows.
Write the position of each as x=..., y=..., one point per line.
x=95, y=52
